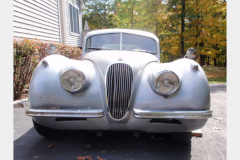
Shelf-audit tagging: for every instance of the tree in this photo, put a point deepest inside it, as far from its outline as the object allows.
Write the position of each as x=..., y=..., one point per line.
x=100, y=14
x=206, y=29
x=179, y=24
x=126, y=14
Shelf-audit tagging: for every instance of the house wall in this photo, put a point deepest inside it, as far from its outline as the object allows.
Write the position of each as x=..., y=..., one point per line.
x=36, y=19
x=72, y=38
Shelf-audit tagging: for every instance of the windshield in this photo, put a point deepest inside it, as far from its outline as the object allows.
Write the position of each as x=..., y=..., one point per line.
x=129, y=42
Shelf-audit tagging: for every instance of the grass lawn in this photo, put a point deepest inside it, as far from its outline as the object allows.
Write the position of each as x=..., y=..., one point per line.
x=215, y=74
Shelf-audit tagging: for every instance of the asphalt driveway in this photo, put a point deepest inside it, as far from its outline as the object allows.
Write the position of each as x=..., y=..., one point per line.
x=122, y=145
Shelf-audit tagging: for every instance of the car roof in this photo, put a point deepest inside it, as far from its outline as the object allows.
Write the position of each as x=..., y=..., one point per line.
x=130, y=31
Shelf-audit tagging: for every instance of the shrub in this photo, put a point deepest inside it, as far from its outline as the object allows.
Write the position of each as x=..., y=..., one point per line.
x=27, y=53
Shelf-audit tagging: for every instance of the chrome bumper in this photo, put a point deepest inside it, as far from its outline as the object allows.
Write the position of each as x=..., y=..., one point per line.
x=138, y=113
x=88, y=113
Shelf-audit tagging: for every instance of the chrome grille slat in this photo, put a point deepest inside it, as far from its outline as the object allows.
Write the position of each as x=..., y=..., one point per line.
x=119, y=87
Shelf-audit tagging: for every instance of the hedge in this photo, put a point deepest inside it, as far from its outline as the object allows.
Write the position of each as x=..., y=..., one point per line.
x=27, y=53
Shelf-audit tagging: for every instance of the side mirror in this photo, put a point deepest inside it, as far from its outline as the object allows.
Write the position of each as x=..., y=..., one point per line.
x=51, y=49
x=191, y=53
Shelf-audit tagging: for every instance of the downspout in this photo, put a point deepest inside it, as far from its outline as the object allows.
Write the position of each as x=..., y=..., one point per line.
x=82, y=6
x=62, y=17
x=59, y=23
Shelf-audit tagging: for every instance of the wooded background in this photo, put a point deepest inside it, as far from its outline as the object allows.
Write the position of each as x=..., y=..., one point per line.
x=179, y=24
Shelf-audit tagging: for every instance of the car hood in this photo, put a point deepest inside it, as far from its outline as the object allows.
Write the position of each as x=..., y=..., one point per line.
x=137, y=60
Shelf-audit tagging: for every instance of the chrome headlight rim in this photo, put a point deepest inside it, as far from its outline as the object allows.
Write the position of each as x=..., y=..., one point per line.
x=155, y=83
x=77, y=90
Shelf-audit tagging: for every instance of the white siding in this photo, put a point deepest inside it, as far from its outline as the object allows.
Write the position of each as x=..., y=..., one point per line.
x=36, y=19
x=73, y=39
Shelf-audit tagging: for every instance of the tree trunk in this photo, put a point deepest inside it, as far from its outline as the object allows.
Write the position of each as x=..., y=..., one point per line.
x=132, y=16
x=182, y=28
x=157, y=29
x=201, y=61
x=215, y=62
x=163, y=57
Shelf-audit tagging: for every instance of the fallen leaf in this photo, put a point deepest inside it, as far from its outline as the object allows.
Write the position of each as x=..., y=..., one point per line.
x=36, y=157
x=84, y=158
x=50, y=146
x=89, y=146
x=114, y=150
x=103, y=151
x=219, y=118
x=100, y=158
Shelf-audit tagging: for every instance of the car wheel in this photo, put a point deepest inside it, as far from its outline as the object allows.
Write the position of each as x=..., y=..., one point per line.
x=45, y=131
x=182, y=138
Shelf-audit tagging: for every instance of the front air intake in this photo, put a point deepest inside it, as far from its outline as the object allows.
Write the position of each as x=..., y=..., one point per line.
x=119, y=83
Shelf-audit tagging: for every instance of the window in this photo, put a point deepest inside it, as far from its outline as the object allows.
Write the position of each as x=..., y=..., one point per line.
x=113, y=41
x=130, y=42
x=74, y=20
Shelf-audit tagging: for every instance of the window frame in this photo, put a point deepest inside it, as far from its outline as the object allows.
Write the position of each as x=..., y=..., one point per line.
x=121, y=35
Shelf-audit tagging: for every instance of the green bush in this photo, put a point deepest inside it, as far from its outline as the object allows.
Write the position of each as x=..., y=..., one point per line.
x=27, y=53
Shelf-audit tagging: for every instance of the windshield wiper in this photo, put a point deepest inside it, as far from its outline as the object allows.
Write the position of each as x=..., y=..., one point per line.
x=99, y=48
x=140, y=50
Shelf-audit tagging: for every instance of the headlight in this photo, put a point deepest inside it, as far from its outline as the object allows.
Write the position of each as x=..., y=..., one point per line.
x=72, y=80
x=166, y=83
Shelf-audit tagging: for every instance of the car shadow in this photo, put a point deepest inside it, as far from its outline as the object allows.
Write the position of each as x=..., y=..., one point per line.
x=111, y=146
x=214, y=88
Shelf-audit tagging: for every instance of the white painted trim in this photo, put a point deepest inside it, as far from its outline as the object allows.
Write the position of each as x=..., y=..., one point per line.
x=59, y=23
x=75, y=5
x=64, y=39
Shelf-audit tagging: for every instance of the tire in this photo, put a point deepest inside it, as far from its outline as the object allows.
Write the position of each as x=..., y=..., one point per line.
x=182, y=138
x=45, y=131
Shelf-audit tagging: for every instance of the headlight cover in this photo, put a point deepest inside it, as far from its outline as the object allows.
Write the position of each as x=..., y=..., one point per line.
x=166, y=83
x=72, y=80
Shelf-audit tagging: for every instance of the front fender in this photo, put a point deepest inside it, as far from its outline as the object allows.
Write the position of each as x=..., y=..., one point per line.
x=193, y=93
x=46, y=91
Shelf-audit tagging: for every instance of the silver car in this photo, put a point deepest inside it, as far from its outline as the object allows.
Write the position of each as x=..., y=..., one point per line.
x=118, y=85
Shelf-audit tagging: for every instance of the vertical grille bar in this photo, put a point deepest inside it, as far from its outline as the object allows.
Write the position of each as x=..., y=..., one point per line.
x=119, y=86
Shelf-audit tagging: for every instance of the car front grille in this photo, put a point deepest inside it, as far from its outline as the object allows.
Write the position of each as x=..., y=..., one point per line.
x=119, y=83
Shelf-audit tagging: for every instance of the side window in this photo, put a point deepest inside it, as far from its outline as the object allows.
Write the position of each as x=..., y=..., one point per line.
x=88, y=45
x=74, y=19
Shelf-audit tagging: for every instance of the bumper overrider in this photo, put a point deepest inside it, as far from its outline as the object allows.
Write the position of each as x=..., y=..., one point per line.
x=137, y=113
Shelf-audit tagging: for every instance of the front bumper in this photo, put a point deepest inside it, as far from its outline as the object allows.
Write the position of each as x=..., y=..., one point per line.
x=138, y=113
x=141, y=120
x=86, y=113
